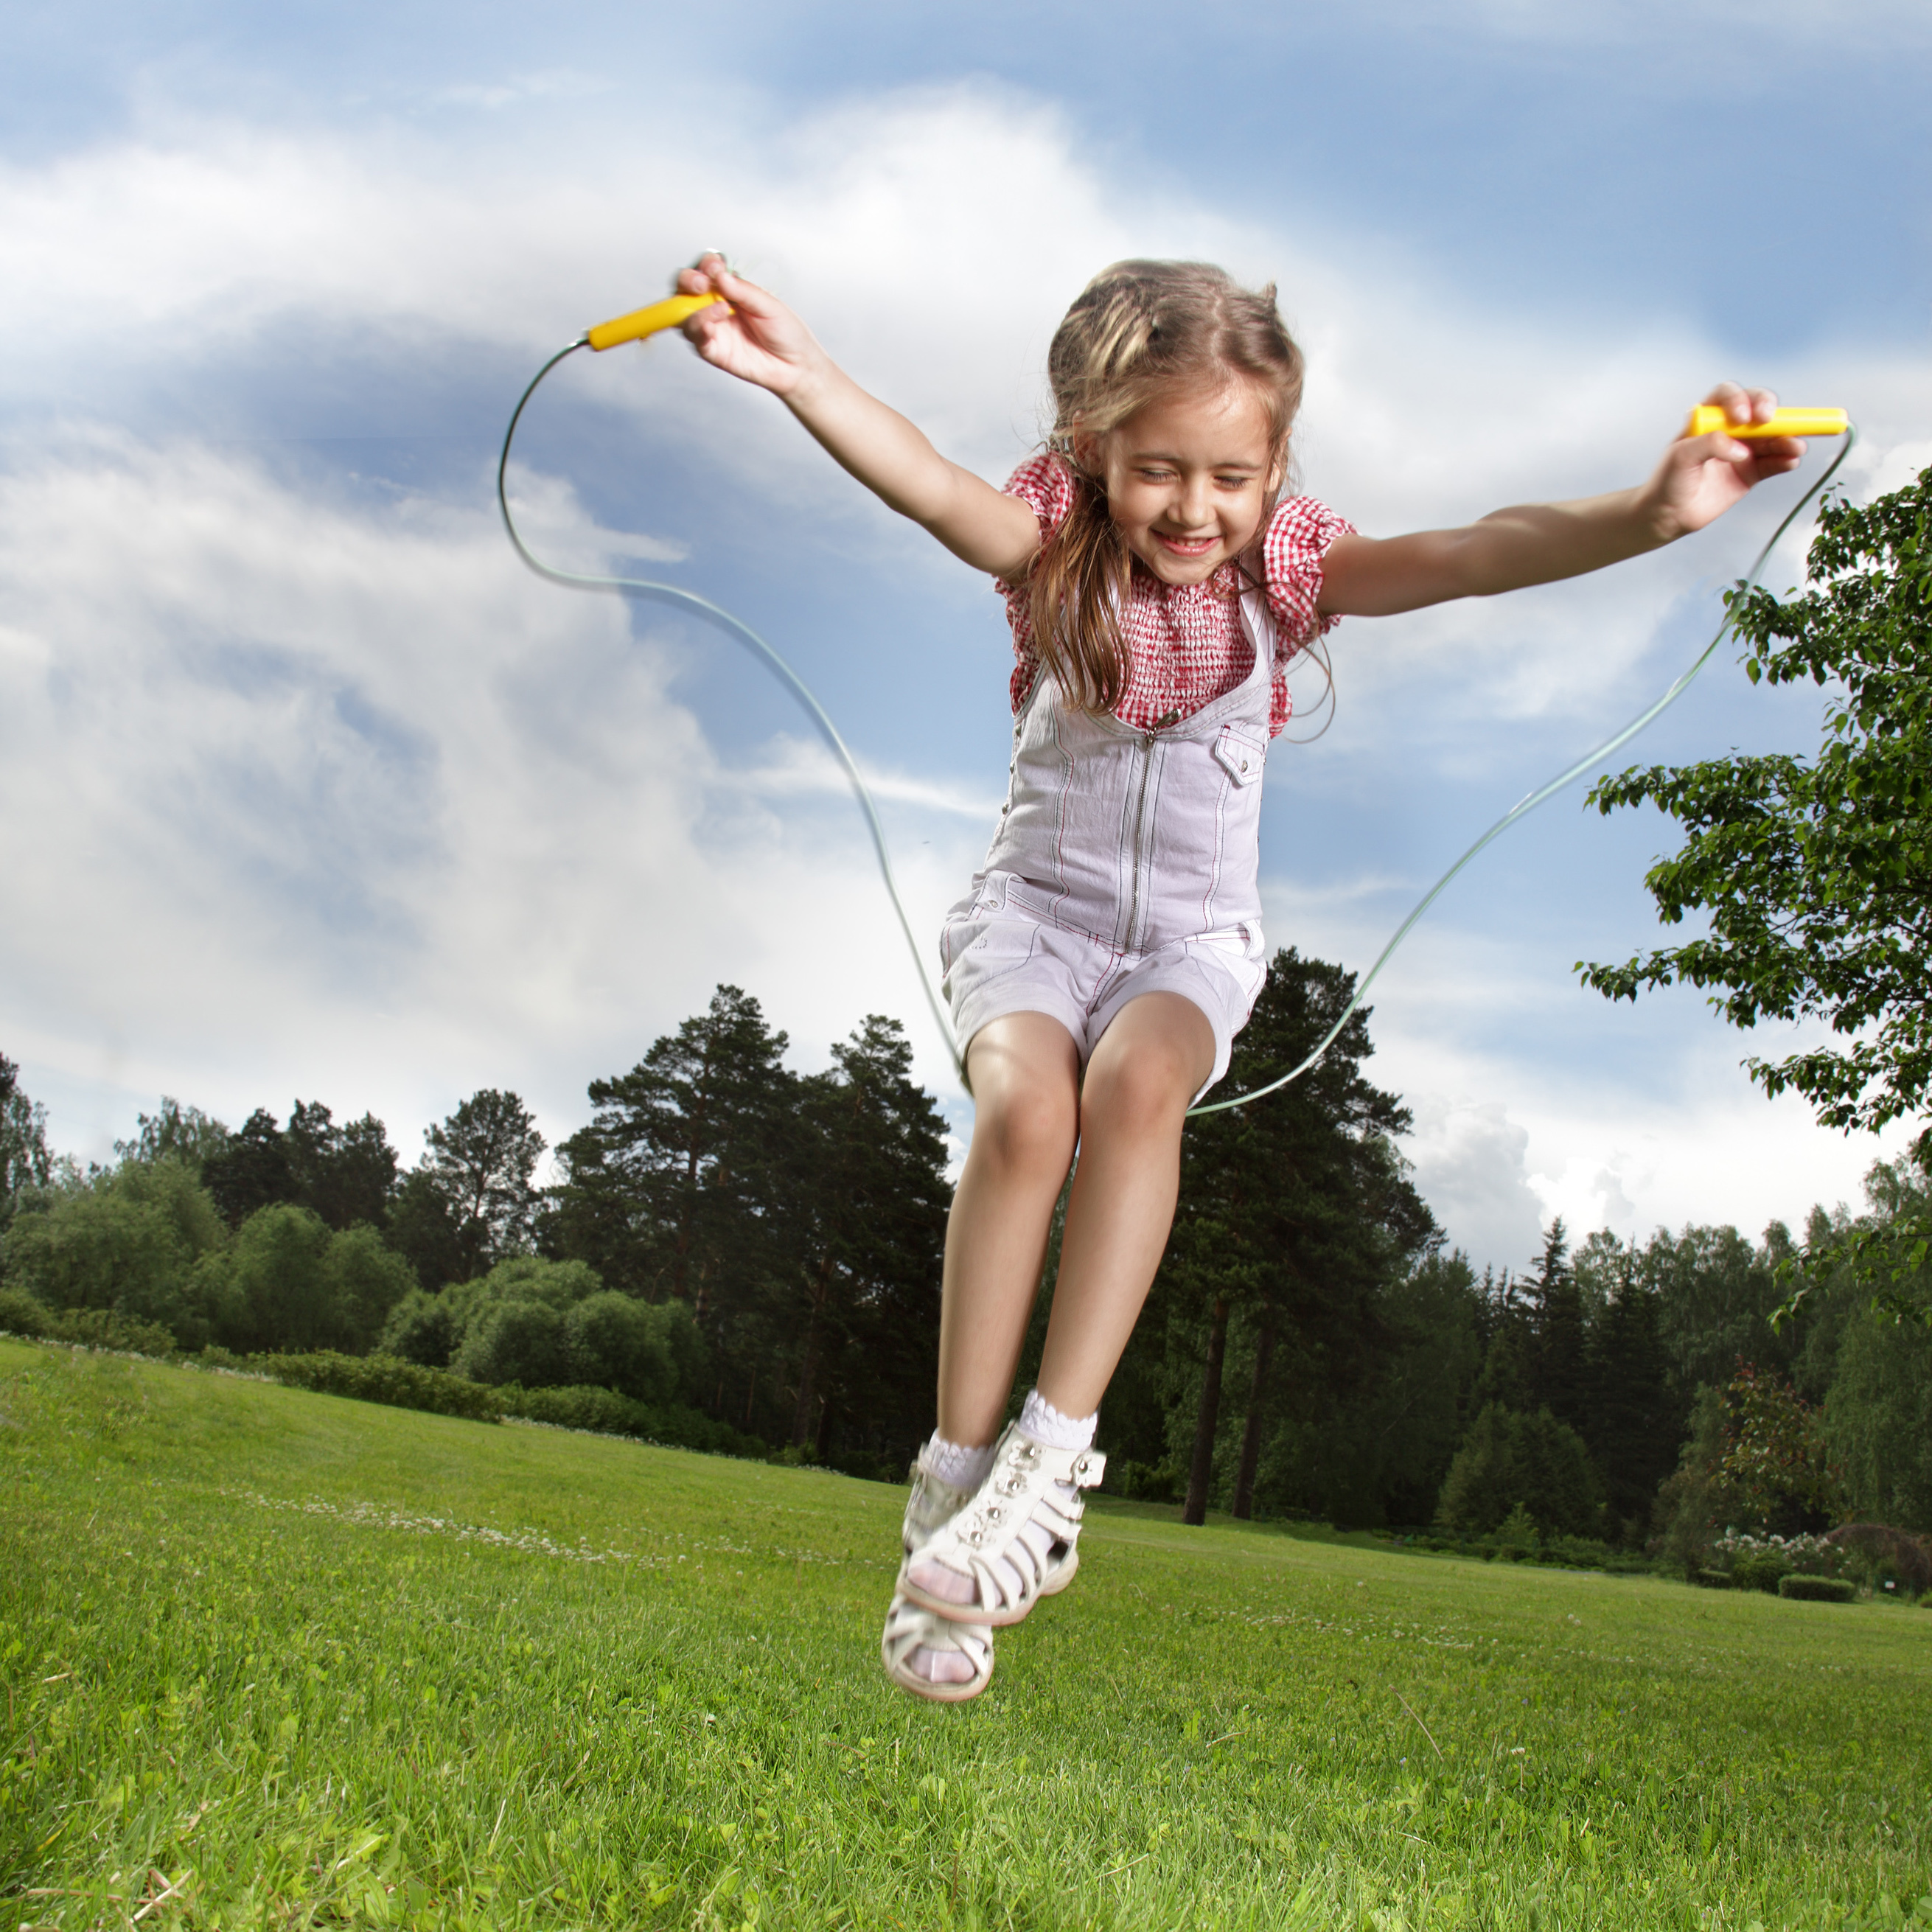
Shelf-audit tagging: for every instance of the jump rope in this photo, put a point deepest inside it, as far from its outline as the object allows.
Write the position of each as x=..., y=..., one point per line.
x=674, y=310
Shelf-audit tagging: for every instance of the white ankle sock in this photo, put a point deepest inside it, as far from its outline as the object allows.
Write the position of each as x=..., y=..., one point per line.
x=1044, y=1424
x=958, y=1463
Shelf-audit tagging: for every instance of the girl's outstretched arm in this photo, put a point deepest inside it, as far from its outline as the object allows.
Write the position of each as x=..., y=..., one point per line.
x=757, y=339
x=1698, y=479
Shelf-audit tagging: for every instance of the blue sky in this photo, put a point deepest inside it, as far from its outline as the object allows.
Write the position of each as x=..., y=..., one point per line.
x=305, y=789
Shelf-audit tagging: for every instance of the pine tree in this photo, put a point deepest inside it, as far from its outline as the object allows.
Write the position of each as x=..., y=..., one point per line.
x=679, y=1186
x=1299, y=1204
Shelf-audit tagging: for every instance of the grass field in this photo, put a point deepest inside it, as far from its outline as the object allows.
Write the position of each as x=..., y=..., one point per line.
x=275, y=1658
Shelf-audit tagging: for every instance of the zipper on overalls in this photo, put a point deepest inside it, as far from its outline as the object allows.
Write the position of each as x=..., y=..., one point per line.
x=1147, y=740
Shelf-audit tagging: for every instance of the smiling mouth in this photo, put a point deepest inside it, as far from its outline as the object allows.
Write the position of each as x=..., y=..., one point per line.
x=1184, y=546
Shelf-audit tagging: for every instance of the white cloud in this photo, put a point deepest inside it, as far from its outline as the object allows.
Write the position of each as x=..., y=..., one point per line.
x=295, y=796
x=298, y=795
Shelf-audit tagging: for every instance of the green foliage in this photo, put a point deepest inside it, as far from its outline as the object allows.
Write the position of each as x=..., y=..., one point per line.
x=603, y=1411
x=421, y=1328
x=1533, y=1463
x=176, y=1132
x=1691, y=1501
x=1297, y=1219
x=1762, y=1570
x=128, y=1241
x=1775, y=1466
x=20, y=1314
x=1817, y=1589
x=369, y=1667
x=382, y=1379
x=1816, y=874
x=343, y=1175
x=25, y=1161
x=480, y=1164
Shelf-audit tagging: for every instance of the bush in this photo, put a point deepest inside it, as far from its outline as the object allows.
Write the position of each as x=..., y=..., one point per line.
x=601, y=1410
x=520, y=1341
x=126, y=1243
x=1817, y=1589
x=85, y=1328
x=1764, y=1570
x=1509, y=1463
x=383, y=1378
x=20, y=1314
x=1707, y=1578
x=1880, y=1554
x=605, y=1412
x=420, y=1329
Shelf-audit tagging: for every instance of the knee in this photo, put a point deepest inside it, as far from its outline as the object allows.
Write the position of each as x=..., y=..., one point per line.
x=1144, y=1091
x=1026, y=1132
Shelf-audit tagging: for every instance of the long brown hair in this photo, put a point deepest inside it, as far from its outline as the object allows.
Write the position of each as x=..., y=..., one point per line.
x=1139, y=329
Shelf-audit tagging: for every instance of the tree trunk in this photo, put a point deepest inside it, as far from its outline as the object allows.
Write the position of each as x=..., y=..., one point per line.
x=827, y=1416
x=1251, y=1437
x=1195, y=1510
x=814, y=1348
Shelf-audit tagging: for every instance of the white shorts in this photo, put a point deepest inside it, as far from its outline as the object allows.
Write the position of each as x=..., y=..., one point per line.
x=1001, y=960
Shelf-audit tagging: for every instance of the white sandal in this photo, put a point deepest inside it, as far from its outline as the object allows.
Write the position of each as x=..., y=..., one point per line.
x=986, y=1549
x=915, y=1636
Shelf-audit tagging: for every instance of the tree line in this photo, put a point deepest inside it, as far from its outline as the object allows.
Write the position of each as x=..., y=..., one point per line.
x=728, y=1239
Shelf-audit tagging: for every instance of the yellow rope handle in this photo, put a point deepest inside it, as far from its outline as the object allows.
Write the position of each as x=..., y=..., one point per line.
x=1708, y=416
x=643, y=321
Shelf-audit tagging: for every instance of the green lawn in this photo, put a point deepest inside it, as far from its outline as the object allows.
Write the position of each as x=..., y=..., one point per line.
x=314, y=1662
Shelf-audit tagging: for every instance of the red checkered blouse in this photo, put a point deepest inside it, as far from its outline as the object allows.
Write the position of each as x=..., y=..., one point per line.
x=1186, y=639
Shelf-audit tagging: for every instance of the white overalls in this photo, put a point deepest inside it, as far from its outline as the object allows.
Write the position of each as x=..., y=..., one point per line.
x=1127, y=862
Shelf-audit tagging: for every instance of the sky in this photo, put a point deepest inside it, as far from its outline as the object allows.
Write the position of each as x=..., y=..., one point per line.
x=308, y=789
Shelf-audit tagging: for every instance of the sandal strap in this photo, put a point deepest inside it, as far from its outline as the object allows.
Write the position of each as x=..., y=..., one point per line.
x=1019, y=1489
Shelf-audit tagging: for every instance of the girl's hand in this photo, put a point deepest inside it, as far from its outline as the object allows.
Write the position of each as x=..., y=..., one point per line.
x=750, y=335
x=1702, y=476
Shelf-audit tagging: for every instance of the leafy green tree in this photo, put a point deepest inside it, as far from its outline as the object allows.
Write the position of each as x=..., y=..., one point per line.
x=367, y=1279
x=128, y=1241
x=251, y=1171
x=1776, y=1462
x=1878, y=1422
x=1532, y=1463
x=273, y=1284
x=176, y=1132
x=869, y=1191
x=670, y=1189
x=481, y=1164
x=1300, y=1208
x=1816, y=874
x=344, y=1174
x=25, y=1162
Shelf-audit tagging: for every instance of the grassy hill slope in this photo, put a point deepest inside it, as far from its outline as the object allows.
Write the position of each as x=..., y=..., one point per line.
x=308, y=1661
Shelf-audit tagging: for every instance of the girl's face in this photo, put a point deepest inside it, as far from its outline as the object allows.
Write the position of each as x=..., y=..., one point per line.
x=1187, y=479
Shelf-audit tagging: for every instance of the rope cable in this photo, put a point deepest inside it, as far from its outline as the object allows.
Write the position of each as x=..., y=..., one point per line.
x=670, y=593
x=644, y=588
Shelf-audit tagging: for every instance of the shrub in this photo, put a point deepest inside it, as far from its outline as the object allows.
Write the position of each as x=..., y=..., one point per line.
x=1817, y=1589
x=383, y=1378
x=420, y=1329
x=606, y=1413
x=1764, y=1570
x=1877, y=1551
x=86, y=1327
x=126, y=1242
x=1709, y=1579
x=601, y=1410
x=520, y=1342
x=1508, y=1462
x=20, y=1314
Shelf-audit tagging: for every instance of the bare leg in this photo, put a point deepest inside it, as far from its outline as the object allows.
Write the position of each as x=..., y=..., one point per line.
x=1025, y=1071
x=1149, y=1064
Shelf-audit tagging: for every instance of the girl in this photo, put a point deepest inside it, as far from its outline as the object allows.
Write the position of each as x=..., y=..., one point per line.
x=1157, y=583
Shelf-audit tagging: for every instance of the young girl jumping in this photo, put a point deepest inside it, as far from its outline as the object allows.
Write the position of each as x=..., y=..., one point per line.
x=1157, y=583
